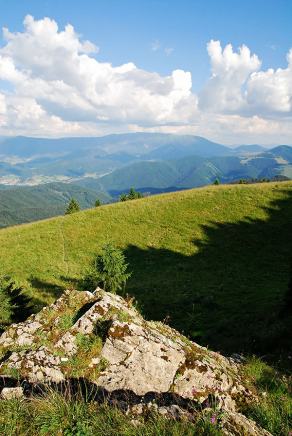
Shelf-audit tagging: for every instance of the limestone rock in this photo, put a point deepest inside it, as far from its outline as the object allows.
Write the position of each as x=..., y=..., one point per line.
x=122, y=351
x=107, y=307
x=101, y=338
x=236, y=424
x=23, y=334
x=12, y=393
x=37, y=365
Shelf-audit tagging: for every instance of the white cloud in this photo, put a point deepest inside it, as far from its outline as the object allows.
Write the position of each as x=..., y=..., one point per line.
x=230, y=71
x=55, y=70
x=57, y=87
x=3, y=109
x=238, y=87
x=271, y=91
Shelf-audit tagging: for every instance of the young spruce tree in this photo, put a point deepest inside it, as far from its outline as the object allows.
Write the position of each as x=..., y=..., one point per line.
x=109, y=270
x=72, y=207
x=112, y=268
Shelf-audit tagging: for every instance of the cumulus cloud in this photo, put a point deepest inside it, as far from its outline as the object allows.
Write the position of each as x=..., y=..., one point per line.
x=55, y=69
x=230, y=71
x=237, y=85
x=271, y=91
x=57, y=86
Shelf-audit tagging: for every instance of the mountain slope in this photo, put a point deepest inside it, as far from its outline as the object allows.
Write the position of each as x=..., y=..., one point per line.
x=31, y=161
x=188, y=172
x=283, y=151
x=215, y=260
x=251, y=148
x=182, y=146
x=26, y=204
x=132, y=143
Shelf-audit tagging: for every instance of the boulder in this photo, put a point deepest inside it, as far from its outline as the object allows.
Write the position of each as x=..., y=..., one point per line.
x=102, y=339
x=12, y=393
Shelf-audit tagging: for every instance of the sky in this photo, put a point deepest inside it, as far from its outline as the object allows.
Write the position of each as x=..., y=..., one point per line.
x=218, y=69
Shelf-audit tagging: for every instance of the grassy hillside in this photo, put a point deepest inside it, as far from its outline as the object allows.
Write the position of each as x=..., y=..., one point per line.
x=26, y=204
x=214, y=261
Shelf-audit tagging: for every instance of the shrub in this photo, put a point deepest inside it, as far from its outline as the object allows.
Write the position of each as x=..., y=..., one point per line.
x=123, y=197
x=112, y=268
x=14, y=304
x=97, y=202
x=216, y=182
x=132, y=195
x=109, y=270
x=6, y=307
x=72, y=207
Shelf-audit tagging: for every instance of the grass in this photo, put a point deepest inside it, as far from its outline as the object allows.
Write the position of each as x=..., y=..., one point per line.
x=59, y=415
x=214, y=261
x=78, y=365
x=274, y=410
x=56, y=415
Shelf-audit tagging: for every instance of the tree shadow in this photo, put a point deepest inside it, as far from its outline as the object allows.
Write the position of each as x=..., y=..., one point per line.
x=230, y=293
x=21, y=304
x=48, y=288
x=72, y=282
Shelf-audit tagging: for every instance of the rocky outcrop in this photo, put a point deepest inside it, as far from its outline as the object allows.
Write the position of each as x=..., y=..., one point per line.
x=102, y=339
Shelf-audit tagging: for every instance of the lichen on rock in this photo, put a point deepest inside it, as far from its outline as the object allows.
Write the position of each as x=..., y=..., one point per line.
x=102, y=338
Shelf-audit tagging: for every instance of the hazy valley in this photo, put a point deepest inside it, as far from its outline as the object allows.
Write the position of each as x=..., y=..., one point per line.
x=39, y=176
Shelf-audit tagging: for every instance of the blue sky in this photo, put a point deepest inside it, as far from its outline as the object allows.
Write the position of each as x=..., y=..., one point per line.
x=162, y=36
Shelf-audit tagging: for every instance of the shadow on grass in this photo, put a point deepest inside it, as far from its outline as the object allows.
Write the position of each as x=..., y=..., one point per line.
x=51, y=289
x=230, y=293
x=70, y=281
x=21, y=304
x=81, y=388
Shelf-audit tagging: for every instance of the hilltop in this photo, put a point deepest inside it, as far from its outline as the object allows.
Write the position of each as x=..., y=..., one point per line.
x=214, y=261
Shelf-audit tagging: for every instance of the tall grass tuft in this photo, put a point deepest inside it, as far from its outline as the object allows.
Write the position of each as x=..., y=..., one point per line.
x=57, y=415
x=274, y=409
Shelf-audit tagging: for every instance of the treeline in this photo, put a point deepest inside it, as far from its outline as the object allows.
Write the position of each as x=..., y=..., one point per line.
x=74, y=206
x=262, y=180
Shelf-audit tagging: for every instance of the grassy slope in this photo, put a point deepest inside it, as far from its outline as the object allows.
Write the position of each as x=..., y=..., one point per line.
x=28, y=203
x=215, y=260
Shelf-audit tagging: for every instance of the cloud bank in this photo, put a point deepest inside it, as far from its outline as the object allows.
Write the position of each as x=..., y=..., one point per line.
x=52, y=84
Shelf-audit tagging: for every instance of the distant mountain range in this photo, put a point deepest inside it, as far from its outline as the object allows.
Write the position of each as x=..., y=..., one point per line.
x=191, y=171
x=54, y=170
x=33, y=161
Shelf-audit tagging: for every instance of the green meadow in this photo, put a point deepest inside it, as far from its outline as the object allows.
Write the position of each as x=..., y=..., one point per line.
x=213, y=262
